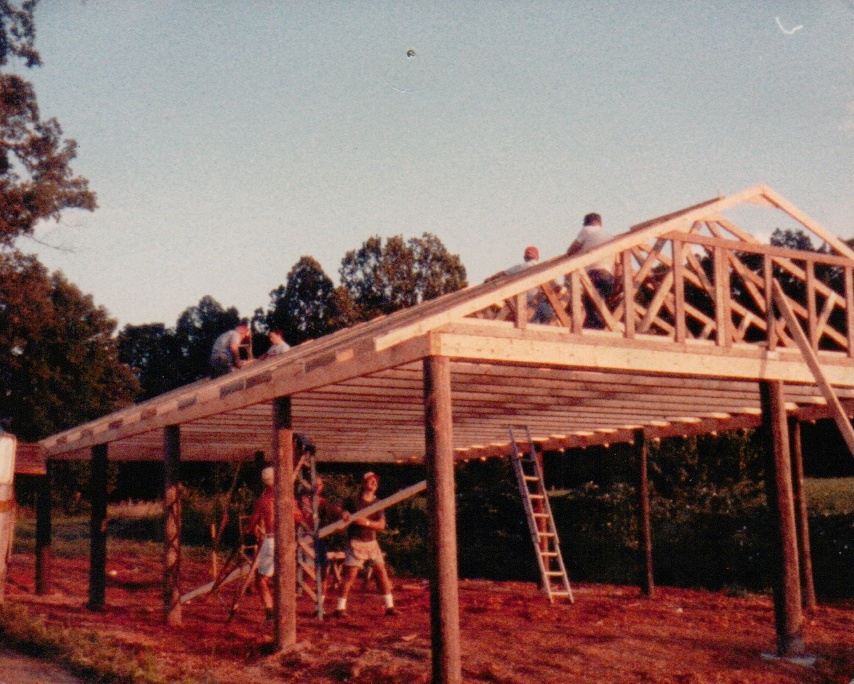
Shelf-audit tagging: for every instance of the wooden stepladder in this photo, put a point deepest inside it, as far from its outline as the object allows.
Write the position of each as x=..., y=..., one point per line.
x=529, y=477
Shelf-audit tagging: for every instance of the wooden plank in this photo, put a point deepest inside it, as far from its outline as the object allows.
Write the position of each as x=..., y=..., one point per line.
x=98, y=529
x=285, y=551
x=29, y=459
x=849, y=310
x=679, y=290
x=237, y=573
x=802, y=515
x=811, y=306
x=172, y=525
x=645, y=527
x=723, y=318
x=380, y=505
x=44, y=506
x=620, y=356
x=787, y=591
x=812, y=362
x=289, y=378
x=442, y=537
x=629, y=294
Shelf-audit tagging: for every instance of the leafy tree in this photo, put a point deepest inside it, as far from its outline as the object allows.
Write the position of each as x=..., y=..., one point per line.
x=196, y=331
x=305, y=308
x=153, y=352
x=36, y=180
x=382, y=278
x=59, y=359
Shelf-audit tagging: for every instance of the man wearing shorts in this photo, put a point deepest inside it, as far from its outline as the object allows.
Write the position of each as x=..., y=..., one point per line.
x=263, y=523
x=363, y=547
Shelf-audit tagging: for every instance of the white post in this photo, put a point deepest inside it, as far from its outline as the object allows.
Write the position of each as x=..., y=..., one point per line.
x=7, y=504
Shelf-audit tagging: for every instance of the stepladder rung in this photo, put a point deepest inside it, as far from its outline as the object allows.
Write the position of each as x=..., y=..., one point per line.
x=529, y=478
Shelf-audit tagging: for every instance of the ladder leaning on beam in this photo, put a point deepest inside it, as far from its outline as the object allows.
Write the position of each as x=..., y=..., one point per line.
x=529, y=477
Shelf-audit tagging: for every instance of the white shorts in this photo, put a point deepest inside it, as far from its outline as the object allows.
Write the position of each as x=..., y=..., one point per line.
x=266, y=557
x=360, y=552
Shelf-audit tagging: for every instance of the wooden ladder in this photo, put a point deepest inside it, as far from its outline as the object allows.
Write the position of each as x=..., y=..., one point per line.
x=529, y=477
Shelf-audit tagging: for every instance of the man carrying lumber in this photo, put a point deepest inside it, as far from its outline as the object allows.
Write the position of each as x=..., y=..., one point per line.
x=363, y=547
x=263, y=523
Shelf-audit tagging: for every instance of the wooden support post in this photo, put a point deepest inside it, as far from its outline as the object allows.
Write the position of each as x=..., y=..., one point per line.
x=285, y=579
x=441, y=507
x=43, y=533
x=172, y=525
x=645, y=546
x=802, y=516
x=778, y=479
x=629, y=295
x=98, y=528
x=679, y=291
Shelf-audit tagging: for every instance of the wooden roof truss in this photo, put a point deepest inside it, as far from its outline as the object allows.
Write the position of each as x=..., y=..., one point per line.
x=691, y=329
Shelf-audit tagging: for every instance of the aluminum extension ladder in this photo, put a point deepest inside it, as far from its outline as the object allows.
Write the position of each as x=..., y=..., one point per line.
x=529, y=477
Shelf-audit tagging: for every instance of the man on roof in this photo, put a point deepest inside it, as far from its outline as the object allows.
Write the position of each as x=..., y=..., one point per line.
x=225, y=354
x=537, y=303
x=601, y=273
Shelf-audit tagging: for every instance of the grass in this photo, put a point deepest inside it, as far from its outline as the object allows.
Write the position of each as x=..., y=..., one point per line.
x=91, y=656
x=830, y=495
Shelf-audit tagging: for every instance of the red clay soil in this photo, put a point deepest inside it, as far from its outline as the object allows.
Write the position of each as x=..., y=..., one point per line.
x=510, y=633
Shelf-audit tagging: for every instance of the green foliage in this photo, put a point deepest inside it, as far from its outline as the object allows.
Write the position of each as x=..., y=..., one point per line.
x=58, y=356
x=153, y=353
x=830, y=495
x=382, y=278
x=680, y=468
x=196, y=331
x=87, y=654
x=492, y=533
x=36, y=180
x=305, y=308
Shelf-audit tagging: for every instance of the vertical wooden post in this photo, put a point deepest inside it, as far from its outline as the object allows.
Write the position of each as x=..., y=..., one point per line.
x=802, y=517
x=442, y=538
x=629, y=294
x=44, y=533
x=778, y=479
x=645, y=556
x=98, y=528
x=680, y=330
x=285, y=579
x=172, y=525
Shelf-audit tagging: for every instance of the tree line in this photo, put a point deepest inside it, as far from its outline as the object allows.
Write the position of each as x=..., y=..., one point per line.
x=378, y=278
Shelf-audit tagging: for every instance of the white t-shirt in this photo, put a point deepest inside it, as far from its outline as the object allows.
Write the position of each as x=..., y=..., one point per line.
x=591, y=237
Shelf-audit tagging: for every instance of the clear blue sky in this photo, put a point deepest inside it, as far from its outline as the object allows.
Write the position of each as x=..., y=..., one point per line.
x=226, y=139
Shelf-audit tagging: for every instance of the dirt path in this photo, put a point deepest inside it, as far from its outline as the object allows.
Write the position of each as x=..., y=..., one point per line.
x=20, y=669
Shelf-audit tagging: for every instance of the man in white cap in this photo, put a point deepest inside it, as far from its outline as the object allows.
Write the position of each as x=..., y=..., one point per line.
x=363, y=547
x=263, y=523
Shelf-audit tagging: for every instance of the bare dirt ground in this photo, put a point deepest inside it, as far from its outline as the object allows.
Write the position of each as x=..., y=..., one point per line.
x=510, y=633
